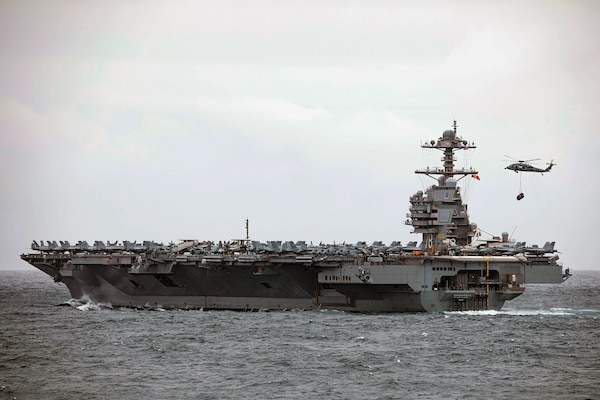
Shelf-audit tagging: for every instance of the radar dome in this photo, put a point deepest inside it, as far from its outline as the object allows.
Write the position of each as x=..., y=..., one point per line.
x=449, y=134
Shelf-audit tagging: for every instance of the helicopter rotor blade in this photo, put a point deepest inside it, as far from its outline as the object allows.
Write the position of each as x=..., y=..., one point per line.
x=512, y=159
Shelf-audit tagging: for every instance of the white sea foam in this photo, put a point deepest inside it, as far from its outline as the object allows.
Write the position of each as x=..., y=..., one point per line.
x=558, y=311
x=85, y=304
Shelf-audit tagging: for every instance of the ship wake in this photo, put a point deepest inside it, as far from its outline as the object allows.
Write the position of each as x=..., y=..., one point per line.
x=558, y=311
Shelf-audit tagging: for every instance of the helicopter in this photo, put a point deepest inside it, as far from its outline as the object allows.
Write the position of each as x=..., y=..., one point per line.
x=523, y=166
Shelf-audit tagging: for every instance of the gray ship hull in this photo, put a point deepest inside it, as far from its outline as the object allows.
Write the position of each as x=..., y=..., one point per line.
x=411, y=284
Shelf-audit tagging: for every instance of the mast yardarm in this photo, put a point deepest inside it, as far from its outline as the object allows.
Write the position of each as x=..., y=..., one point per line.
x=449, y=142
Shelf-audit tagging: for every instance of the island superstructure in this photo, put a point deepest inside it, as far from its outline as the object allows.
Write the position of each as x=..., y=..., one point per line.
x=451, y=269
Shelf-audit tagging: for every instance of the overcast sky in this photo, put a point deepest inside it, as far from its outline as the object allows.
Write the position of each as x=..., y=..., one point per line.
x=162, y=120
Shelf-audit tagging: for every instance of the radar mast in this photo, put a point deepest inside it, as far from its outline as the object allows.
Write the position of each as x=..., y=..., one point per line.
x=439, y=213
x=449, y=142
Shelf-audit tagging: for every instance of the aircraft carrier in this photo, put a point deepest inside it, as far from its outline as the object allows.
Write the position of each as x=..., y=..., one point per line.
x=451, y=269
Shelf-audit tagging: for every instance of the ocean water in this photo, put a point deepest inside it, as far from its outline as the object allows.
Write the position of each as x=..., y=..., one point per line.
x=542, y=345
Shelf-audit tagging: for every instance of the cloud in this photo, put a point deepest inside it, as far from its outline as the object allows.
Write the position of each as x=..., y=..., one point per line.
x=26, y=128
x=317, y=107
x=485, y=56
x=261, y=108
